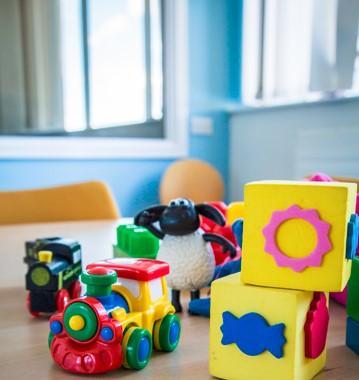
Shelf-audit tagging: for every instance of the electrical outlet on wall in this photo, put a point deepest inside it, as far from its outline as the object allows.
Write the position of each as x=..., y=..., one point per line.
x=201, y=125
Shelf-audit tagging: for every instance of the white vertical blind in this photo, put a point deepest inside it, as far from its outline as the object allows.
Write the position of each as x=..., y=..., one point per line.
x=73, y=87
x=324, y=45
x=250, y=50
x=292, y=28
x=42, y=63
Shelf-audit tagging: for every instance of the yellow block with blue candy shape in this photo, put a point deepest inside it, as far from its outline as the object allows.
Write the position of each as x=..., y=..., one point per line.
x=261, y=333
x=296, y=234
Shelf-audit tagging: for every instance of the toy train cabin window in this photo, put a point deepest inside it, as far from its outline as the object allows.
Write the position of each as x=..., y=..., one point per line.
x=156, y=289
x=131, y=285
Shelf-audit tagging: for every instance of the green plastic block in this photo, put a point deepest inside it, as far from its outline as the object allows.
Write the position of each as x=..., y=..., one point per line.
x=134, y=241
x=117, y=252
x=353, y=291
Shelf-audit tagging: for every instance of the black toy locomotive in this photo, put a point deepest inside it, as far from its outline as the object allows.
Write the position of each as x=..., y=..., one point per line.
x=54, y=267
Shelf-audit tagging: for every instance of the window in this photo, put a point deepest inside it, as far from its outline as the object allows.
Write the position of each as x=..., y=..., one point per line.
x=112, y=69
x=88, y=65
x=131, y=285
x=300, y=49
x=156, y=290
x=117, y=52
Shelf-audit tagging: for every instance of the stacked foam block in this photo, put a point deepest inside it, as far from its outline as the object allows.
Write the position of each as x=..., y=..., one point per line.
x=271, y=320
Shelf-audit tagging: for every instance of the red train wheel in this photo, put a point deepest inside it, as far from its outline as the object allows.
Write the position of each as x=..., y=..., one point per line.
x=75, y=290
x=62, y=299
x=28, y=306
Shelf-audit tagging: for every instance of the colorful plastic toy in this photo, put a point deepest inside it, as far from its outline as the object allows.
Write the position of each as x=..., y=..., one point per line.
x=256, y=332
x=54, y=266
x=126, y=311
x=296, y=234
x=134, y=241
x=184, y=246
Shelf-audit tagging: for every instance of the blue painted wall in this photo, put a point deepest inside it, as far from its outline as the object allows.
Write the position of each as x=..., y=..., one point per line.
x=213, y=79
x=214, y=43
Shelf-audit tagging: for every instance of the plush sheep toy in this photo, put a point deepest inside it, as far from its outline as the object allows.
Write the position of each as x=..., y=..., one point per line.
x=185, y=247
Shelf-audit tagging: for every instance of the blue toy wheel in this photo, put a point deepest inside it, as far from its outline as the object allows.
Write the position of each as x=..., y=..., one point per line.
x=137, y=347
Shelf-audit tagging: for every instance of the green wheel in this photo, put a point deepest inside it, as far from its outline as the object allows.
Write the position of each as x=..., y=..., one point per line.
x=137, y=348
x=50, y=339
x=166, y=333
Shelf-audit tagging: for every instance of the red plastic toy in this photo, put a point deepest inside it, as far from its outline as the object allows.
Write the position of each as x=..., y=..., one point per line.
x=208, y=225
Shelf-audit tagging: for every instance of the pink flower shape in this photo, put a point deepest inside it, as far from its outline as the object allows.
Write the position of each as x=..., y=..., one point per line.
x=314, y=258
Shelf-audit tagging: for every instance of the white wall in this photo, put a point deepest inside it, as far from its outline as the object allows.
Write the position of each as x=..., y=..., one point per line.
x=290, y=142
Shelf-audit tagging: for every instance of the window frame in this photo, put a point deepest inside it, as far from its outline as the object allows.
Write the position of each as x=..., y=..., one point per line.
x=255, y=51
x=173, y=144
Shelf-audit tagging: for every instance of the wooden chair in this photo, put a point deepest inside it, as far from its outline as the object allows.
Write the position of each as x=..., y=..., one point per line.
x=83, y=201
x=193, y=179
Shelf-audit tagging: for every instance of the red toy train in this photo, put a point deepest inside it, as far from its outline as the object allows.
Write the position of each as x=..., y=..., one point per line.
x=125, y=312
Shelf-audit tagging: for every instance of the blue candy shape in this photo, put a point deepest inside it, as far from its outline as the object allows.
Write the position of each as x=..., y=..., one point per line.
x=252, y=334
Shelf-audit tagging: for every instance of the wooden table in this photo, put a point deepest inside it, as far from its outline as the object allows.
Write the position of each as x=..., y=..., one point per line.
x=23, y=349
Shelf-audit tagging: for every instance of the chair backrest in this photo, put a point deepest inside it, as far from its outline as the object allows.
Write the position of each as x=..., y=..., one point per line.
x=193, y=179
x=82, y=201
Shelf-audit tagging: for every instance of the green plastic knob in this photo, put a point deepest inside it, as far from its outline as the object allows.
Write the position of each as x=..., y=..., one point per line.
x=98, y=281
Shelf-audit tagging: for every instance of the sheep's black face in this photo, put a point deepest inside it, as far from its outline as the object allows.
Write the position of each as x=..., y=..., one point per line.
x=179, y=218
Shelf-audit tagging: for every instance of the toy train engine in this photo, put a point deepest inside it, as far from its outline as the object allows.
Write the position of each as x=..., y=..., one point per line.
x=126, y=311
x=54, y=266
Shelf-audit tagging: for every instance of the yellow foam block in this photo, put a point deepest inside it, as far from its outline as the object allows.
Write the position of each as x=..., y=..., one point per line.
x=235, y=211
x=295, y=234
x=290, y=307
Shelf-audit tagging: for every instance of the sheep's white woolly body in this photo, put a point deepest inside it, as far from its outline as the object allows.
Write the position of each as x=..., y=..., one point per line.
x=191, y=261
